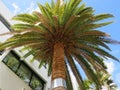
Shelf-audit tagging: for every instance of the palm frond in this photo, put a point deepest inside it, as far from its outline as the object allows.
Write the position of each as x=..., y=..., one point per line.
x=74, y=26
x=102, y=17
x=75, y=72
x=88, y=70
x=27, y=18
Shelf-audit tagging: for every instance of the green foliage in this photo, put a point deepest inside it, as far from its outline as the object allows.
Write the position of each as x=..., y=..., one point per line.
x=105, y=80
x=74, y=25
x=35, y=83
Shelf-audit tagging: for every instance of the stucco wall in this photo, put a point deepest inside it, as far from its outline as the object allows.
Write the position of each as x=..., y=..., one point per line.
x=7, y=77
x=10, y=81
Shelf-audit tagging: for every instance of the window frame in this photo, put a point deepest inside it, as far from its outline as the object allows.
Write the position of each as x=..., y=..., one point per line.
x=22, y=62
x=5, y=22
x=7, y=25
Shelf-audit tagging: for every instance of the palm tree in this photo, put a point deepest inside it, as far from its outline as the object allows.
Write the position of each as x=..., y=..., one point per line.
x=89, y=85
x=61, y=36
x=105, y=80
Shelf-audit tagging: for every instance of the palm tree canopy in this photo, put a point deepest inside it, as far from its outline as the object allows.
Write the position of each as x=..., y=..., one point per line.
x=72, y=24
x=105, y=80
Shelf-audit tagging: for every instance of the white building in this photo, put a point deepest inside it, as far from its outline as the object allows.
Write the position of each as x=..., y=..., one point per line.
x=15, y=73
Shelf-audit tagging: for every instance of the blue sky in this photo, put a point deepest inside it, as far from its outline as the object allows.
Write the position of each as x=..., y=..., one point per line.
x=100, y=6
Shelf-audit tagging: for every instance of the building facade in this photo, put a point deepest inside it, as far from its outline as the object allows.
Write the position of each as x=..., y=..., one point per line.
x=17, y=73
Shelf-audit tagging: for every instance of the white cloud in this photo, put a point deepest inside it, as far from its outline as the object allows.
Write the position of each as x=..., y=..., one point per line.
x=110, y=65
x=117, y=80
x=31, y=8
x=118, y=88
x=16, y=8
x=37, y=9
x=104, y=88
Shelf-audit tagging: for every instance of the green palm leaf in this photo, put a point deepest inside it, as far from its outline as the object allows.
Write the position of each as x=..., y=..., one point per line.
x=71, y=24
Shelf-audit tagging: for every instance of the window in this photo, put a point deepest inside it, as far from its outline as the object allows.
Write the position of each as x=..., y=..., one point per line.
x=20, y=68
x=36, y=84
x=24, y=73
x=11, y=62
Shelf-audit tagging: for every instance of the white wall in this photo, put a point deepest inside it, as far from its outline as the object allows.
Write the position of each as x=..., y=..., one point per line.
x=4, y=11
x=9, y=80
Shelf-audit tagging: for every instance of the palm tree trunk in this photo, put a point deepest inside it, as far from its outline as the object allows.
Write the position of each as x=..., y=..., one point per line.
x=58, y=68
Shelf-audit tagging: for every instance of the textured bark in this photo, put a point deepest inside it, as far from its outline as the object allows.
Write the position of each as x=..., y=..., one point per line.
x=58, y=65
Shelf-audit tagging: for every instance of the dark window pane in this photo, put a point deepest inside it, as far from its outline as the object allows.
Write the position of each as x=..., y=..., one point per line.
x=1, y=52
x=24, y=73
x=11, y=62
x=36, y=84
